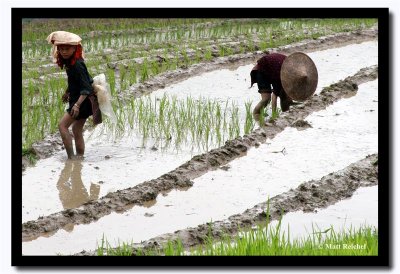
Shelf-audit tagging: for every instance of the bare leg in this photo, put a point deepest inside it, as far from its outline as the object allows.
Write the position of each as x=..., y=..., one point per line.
x=77, y=128
x=274, y=100
x=265, y=98
x=66, y=137
x=286, y=101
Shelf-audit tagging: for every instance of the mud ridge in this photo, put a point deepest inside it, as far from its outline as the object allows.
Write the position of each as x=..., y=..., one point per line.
x=307, y=197
x=182, y=176
x=50, y=145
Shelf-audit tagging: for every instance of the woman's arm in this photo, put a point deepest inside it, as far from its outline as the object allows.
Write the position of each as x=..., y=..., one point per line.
x=85, y=83
x=77, y=105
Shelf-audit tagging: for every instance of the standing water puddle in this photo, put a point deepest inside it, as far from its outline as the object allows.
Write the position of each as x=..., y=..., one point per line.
x=298, y=226
x=53, y=184
x=358, y=211
x=343, y=133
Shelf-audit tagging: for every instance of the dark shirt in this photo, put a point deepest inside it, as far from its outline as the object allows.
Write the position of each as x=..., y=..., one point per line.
x=270, y=66
x=79, y=81
x=267, y=72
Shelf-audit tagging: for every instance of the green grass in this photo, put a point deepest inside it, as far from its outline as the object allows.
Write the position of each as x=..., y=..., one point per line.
x=274, y=242
x=104, y=248
x=275, y=113
x=267, y=240
x=263, y=240
x=30, y=155
x=167, y=121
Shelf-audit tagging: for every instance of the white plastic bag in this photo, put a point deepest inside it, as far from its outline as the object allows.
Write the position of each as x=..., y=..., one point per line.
x=102, y=90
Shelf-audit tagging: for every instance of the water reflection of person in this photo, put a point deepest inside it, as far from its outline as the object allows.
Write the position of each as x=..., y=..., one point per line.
x=72, y=192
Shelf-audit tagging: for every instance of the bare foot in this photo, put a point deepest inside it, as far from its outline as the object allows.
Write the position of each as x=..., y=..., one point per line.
x=77, y=157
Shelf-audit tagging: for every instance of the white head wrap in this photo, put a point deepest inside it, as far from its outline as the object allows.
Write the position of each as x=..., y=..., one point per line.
x=62, y=38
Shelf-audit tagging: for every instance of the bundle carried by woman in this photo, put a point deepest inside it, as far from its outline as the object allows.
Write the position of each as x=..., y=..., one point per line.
x=102, y=91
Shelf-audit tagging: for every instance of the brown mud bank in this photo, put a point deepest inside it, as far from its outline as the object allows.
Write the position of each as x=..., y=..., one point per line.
x=183, y=175
x=52, y=143
x=308, y=197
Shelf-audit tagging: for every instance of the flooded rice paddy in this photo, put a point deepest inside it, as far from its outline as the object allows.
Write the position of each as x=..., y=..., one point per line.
x=343, y=133
x=130, y=163
x=364, y=212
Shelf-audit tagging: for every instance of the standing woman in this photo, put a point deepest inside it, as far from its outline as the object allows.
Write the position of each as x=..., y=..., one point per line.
x=68, y=52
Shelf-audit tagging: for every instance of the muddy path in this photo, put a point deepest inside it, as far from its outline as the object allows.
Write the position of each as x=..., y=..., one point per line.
x=183, y=175
x=52, y=143
x=307, y=197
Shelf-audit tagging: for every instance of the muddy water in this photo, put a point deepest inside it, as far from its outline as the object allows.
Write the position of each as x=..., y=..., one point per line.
x=363, y=211
x=336, y=64
x=310, y=196
x=56, y=184
x=332, y=65
x=53, y=184
x=345, y=132
x=299, y=225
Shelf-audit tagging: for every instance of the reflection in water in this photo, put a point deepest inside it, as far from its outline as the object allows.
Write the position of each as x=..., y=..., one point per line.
x=72, y=192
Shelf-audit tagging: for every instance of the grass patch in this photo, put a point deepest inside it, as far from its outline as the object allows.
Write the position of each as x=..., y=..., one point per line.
x=271, y=241
x=197, y=123
x=266, y=240
x=30, y=155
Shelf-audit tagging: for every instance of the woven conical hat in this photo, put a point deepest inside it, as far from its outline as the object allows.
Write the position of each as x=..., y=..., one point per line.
x=299, y=76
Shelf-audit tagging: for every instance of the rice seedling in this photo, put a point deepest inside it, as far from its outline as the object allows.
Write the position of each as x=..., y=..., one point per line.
x=30, y=155
x=122, y=75
x=208, y=55
x=155, y=67
x=270, y=240
x=144, y=74
x=222, y=51
x=275, y=113
x=249, y=122
x=139, y=38
x=267, y=240
x=105, y=249
x=132, y=75
x=167, y=120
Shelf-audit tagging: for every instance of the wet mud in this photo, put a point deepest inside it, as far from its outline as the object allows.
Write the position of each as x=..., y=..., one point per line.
x=310, y=196
x=183, y=175
x=52, y=143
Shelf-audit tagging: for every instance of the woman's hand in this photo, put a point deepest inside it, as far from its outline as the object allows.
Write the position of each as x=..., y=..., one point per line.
x=65, y=97
x=75, y=111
